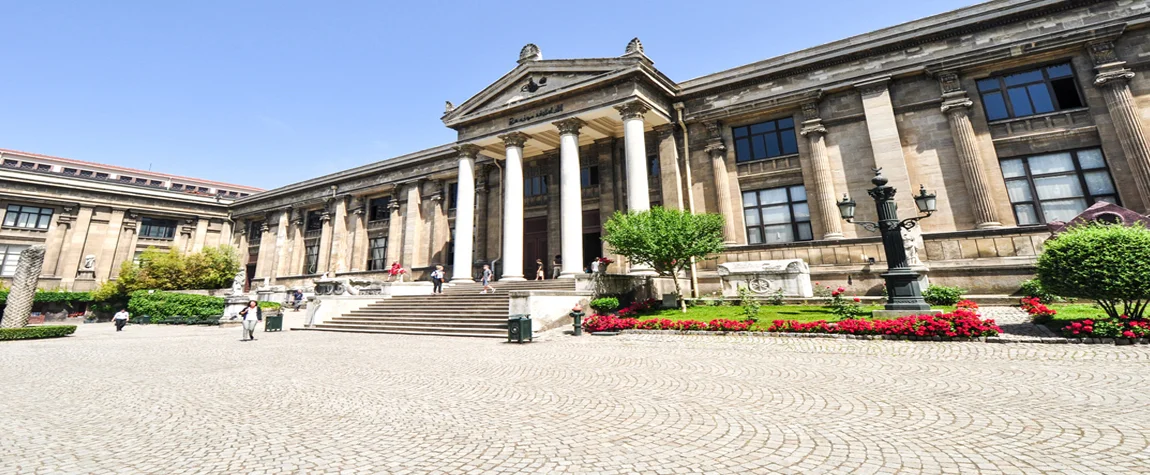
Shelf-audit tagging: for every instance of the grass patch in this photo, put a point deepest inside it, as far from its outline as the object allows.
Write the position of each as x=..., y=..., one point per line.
x=32, y=333
x=1076, y=311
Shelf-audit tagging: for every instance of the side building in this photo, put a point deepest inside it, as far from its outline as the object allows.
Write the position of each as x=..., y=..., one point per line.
x=93, y=217
x=1016, y=113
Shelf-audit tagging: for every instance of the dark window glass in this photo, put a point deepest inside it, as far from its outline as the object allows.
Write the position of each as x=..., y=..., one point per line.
x=534, y=186
x=255, y=232
x=156, y=228
x=376, y=254
x=765, y=140
x=1037, y=91
x=86, y=173
x=102, y=176
x=44, y=168
x=27, y=217
x=314, y=220
x=11, y=163
x=1057, y=186
x=70, y=171
x=378, y=209
x=653, y=166
x=776, y=215
x=311, y=258
x=125, y=179
x=452, y=195
x=589, y=177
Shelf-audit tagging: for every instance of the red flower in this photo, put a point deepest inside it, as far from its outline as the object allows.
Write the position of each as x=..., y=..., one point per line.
x=858, y=299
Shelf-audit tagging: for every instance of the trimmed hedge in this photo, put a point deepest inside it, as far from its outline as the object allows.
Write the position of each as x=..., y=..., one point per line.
x=173, y=308
x=52, y=296
x=32, y=333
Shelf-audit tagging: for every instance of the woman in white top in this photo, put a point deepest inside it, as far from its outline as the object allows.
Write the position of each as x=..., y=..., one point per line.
x=251, y=314
x=121, y=319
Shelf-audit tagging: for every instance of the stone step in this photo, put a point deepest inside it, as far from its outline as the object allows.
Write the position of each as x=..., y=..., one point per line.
x=416, y=328
x=423, y=317
x=420, y=323
x=405, y=332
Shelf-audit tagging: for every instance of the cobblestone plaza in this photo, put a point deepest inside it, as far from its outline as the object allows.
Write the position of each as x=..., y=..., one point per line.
x=197, y=400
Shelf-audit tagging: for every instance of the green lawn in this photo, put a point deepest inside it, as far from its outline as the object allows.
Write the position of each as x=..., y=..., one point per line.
x=1076, y=311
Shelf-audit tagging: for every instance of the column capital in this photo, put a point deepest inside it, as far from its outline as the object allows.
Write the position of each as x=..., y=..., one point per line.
x=1102, y=53
x=1111, y=78
x=468, y=150
x=714, y=129
x=716, y=149
x=664, y=130
x=1111, y=70
x=514, y=139
x=954, y=97
x=813, y=126
x=569, y=126
x=632, y=110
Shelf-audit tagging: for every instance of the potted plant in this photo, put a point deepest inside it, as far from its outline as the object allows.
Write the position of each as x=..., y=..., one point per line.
x=603, y=263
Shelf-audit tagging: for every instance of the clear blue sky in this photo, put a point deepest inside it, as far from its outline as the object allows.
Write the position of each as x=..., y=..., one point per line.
x=267, y=93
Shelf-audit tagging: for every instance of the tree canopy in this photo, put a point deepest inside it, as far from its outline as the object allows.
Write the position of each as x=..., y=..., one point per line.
x=1107, y=263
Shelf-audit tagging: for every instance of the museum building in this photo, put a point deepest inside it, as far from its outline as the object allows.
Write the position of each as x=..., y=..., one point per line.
x=1015, y=113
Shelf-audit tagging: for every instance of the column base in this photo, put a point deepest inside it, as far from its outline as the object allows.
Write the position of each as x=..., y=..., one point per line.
x=833, y=236
x=989, y=225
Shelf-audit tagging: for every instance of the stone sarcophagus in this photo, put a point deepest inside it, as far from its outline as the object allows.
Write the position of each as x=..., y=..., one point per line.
x=791, y=276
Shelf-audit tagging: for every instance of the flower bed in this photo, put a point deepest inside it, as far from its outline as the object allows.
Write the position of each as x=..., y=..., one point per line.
x=962, y=323
x=612, y=323
x=1121, y=327
x=1039, y=312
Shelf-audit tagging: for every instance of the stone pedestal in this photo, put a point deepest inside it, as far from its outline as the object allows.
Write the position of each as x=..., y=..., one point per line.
x=903, y=313
x=232, y=306
x=766, y=278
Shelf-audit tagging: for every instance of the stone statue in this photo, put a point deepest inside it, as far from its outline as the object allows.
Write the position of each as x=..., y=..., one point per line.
x=238, y=282
x=911, y=241
x=23, y=289
x=90, y=262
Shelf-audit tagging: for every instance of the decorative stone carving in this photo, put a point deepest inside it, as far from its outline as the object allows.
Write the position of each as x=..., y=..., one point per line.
x=468, y=150
x=347, y=285
x=20, y=295
x=634, y=46
x=533, y=85
x=948, y=81
x=714, y=129
x=911, y=242
x=716, y=149
x=569, y=126
x=1102, y=53
x=632, y=110
x=448, y=107
x=1101, y=212
x=89, y=263
x=514, y=139
x=792, y=276
x=1120, y=76
x=530, y=52
x=811, y=110
x=238, y=282
x=814, y=126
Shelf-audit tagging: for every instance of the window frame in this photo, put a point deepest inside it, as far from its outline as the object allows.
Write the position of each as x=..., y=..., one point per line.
x=381, y=203
x=6, y=254
x=749, y=138
x=371, y=246
x=790, y=203
x=1042, y=68
x=1078, y=172
x=148, y=223
x=20, y=211
x=311, y=258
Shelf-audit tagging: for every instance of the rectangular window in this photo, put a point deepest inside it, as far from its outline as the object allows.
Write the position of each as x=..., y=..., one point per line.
x=11, y=163
x=653, y=166
x=9, y=256
x=156, y=183
x=1037, y=91
x=452, y=195
x=44, y=168
x=70, y=171
x=177, y=187
x=157, y=228
x=255, y=232
x=101, y=176
x=534, y=186
x=377, y=253
x=87, y=173
x=27, y=217
x=1057, y=186
x=589, y=177
x=311, y=258
x=770, y=139
x=378, y=209
x=777, y=215
x=314, y=221
x=125, y=179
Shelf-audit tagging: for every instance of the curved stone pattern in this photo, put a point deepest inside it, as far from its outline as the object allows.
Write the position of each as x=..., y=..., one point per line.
x=303, y=402
x=19, y=305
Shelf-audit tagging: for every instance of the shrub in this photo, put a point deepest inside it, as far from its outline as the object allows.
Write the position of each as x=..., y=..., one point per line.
x=270, y=307
x=1101, y=262
x=751, y=305
x=959, y=324
x=775, y=298
x=605, y=304
x=1039, y=312
x=839, y=304
x=168, y=307
x=1121, y=327
x=1033, y=289
x=638, y=308
x=52, y=296
x=942, y=295
x=31, y=333
x=211, y=268
x=604, y=323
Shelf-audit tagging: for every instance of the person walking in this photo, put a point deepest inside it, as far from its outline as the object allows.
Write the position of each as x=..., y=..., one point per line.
x=251, y=314
x=437, y=277
x=121, y=319
x=297, y=296
x=487, y=275
x=539, y=270
x=556, y=264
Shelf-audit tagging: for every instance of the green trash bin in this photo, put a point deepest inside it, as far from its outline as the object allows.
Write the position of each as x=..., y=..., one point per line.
x=518, y=328
x=273, y=323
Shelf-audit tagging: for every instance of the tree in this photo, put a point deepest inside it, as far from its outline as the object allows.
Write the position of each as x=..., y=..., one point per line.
x=665, y=239
x=1109, y=264
x=211, y=268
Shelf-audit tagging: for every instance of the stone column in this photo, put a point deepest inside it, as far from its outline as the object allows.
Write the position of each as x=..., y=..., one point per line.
x=298, y=248
x=358, y=253
x=481, y=214
x=324, y=259
x=570, y=198
x=718, y=153
x=638, y=191
x=956, y=105
x=126, y=244
x=72, y=251
x=1114, y=79
x=671, y=177
x=823, y=192
x=266, y=261
x=394, y=231
x=57, y=240
x=339, y=238
x=283, y=258
x=412, y=226
x=513, y=207
x=23, y=291
x=464, y=241
x=886, y=145
x=439, y=233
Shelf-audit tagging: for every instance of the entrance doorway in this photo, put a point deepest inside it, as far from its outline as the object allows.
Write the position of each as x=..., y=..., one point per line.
x=592, y=239
x=534, y=246
x=249, y=274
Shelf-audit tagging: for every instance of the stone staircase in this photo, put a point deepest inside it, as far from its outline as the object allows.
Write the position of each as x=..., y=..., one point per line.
x=460, y=311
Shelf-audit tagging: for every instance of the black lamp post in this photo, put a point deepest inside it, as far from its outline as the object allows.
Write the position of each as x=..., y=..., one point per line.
x=903, y=291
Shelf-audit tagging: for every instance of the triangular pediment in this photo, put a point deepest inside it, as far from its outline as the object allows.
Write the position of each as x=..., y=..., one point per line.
x=536, y=81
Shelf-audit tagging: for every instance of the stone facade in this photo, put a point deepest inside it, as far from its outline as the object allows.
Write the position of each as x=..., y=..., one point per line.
x=92, y=218
x=553, y=148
